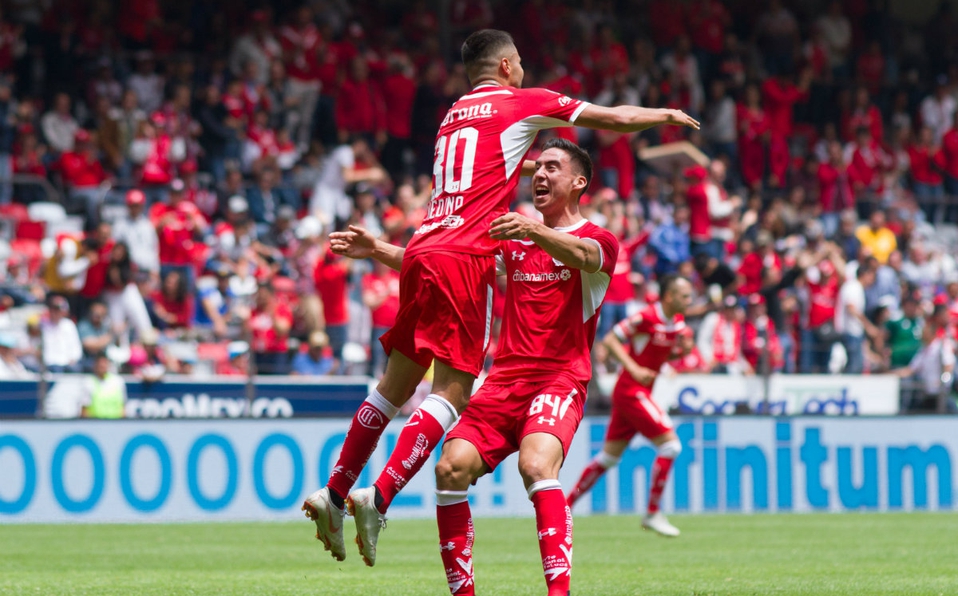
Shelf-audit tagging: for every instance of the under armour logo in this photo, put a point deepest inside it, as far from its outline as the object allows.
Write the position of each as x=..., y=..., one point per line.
x=547, y=532
x=544, y=420
x=518, y=256
x=447, y=546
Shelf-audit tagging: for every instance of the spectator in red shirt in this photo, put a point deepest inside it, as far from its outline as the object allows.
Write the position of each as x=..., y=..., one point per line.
x=864, y=113
x=710, y=210
x=780, y=96
x=400, y=87
x=834, y=188
x=754, y=265
x=172, y=303
x=753, y=129
x=359, y=106
x=96, y=274
x=666, y=22
x=301, y=40
x=331, y=276
x=760, y=343
x=708, y=20
x=868, y=161
x=927, y=163
x=823, y=280
x=179, y=227
x=870, y=68
x=83, y=173
x=692, y=361
x=269, y=325
x=381, y=295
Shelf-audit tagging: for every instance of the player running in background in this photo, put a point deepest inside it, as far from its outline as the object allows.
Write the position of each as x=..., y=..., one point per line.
x=445, y=312
x=557, y=273
x=643, y=343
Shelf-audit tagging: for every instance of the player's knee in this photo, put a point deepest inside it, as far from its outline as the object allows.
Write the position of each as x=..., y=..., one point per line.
x=534, y=468
x=451, y=474
x=670, y=449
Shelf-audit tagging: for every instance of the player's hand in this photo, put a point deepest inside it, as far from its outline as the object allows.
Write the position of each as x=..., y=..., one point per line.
x=645, y=376
x=680, y=118
x=355, y=243
x=512, y=226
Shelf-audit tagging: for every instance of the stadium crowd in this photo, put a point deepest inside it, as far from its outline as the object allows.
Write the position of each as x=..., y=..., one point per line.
x=203, y=152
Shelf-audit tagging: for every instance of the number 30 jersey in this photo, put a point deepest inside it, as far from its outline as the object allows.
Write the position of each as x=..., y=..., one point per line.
x=478, y=160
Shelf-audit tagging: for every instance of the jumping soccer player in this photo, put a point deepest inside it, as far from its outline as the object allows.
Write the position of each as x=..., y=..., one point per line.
x=643, y=343
x=448, y=269
x=557, y=273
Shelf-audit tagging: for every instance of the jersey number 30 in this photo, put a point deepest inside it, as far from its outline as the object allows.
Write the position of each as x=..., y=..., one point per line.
x=444, y=168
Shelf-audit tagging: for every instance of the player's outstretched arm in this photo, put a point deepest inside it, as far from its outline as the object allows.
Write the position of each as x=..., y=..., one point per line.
x=632, y=118
x=359, y=243
x=643, y=375
x=572, y=251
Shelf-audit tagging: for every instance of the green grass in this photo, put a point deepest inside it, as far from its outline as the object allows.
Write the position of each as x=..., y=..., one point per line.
x=913, y=554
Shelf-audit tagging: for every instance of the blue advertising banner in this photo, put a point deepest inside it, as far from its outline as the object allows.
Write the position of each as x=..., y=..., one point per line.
x=106, y=471
x=276, y=397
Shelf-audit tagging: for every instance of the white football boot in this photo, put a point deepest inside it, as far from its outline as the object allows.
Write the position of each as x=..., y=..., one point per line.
x=361, y=504
x=329, y=522
x=658, y=523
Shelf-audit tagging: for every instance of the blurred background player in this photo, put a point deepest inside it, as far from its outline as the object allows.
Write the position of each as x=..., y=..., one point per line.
x=643, y=343
x=446, y=282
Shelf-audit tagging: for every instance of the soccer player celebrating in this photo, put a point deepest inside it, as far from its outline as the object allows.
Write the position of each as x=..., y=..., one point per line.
x=557, y=273
x=643, y=343
x=448, y=269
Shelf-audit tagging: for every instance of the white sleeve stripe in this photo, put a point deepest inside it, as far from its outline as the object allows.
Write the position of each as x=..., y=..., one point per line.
x=601, y=255
x=516, y=139
x=578, y=110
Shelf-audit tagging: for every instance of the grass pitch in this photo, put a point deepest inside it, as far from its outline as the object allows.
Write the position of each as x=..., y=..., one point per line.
x=822, y=554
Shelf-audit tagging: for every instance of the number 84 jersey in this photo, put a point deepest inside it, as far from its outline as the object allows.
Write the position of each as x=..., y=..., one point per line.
x=478, y=160
x=551, y=309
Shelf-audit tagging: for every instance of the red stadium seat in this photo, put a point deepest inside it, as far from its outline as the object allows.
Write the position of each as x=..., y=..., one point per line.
x=31, y=230
x=14, y=212
x=213, y=352
x=30, y=249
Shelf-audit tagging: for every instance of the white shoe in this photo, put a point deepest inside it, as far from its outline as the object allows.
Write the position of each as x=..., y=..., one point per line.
x=658, y=523
x=361, y=504
x=329, y=522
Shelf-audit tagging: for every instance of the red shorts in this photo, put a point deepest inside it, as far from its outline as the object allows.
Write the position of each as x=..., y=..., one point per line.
x=634, y=411
x=499, y=416
x=445, y=310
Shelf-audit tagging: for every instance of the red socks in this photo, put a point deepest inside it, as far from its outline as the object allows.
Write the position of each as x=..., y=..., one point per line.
x=554, y=524
x=591, y=474
x=367, y=426
x=418, y=438
x=456, y=537
x=660, y=475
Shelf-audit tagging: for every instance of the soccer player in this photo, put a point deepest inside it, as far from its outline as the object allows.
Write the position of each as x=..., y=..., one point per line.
x=445, y=311
x=643, y=343
x=557, y=273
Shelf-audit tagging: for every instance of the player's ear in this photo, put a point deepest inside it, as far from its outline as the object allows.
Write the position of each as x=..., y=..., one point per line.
x=579, y=183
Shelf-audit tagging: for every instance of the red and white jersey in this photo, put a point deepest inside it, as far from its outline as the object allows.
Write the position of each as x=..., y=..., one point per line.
x=550, y=312
x=478, y=160
x=652, y=340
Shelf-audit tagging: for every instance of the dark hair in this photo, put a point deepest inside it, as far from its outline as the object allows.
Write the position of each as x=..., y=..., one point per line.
x=481, y=50
x=181, y=285
x=667, y=282
x=577, y=155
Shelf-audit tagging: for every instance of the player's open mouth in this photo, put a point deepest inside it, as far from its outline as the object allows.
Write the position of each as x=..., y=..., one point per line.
x=541, y=191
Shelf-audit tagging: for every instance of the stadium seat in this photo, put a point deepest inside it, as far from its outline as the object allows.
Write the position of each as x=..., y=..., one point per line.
x=29, y=248
x=47, y=212
x=14, y=212
x=213, y=352
x=31, y=230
